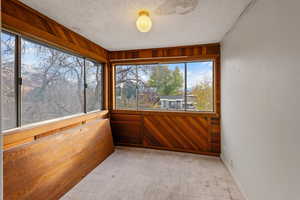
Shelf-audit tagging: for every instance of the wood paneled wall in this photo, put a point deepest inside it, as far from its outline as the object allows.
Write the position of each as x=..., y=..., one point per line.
x=166, y=130
x=179, y=131
x=29, y=133
x=206, y=51
x=48, y=167
x=22, y=19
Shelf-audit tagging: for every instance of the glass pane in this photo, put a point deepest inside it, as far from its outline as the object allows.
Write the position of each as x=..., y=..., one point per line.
x=52, y=83
x=8, y=91
x=94, y=86
x=200, y=86
x=126, y=83
x=161, y=87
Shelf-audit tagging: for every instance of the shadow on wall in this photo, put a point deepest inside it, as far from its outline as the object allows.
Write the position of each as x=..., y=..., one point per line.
x=180, y=7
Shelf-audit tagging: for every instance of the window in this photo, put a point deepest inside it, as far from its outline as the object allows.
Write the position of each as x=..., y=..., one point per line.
x=94, y=86
x=126, y=87
x=53, y=83
x=184, y=86
x=41, y=83
x=8, y=86
x=161, y=87
x=200, y=86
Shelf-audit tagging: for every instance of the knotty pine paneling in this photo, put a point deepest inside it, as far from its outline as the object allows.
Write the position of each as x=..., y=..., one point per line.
x=22, y=19
x=47, y=168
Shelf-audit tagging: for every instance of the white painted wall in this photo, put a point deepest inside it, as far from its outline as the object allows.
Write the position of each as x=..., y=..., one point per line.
x=261, y=100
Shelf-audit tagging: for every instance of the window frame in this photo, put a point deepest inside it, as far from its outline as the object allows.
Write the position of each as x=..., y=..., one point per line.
x=102, y=85
x=175, y=61
x=18, y=77
x=16, y=72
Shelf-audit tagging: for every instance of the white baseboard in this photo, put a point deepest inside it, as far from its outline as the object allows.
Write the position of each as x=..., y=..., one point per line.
x=234, y=177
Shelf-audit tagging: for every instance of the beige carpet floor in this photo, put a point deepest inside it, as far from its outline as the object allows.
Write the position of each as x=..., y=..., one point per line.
x=144, y=174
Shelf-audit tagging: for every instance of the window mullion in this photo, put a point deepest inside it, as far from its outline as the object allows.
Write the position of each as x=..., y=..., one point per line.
x=137, y=88
x=18, y=79
x=84, y=86
x=185, y=86
x=102, y=85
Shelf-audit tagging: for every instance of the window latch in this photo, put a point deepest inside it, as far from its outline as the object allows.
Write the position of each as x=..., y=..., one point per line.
x=20, y=81
x=85, y=85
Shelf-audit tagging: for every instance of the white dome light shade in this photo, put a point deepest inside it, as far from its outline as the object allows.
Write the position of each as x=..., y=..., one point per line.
x=144, y=22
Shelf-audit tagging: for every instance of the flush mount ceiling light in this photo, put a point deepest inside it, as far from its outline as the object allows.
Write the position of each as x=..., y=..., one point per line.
x=144, y=22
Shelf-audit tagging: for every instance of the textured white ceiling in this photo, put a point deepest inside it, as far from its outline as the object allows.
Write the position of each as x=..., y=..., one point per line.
x=111, y=23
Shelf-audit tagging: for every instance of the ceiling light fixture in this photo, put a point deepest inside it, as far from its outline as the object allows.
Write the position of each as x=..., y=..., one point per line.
x=144, y=22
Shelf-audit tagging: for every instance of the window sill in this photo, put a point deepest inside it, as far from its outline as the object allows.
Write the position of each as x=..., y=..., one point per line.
x=165, y=112
x=31, y=131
